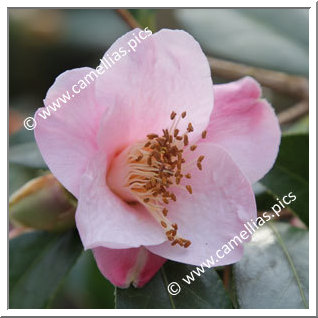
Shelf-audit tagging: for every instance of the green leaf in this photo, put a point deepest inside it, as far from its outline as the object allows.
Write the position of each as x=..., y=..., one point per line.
x=205, y=292
x=274, y=270
x=145, y=17
x=270, y=38
x=27, y=154
x=301, y=126
x=291, y=173
x=38, y=263
x=264, y=199
x=85, y=287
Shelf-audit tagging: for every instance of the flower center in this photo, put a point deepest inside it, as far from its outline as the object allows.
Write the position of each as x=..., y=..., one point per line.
x=155, y=168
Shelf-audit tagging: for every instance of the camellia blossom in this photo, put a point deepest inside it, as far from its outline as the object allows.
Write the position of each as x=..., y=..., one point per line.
x=160, y=160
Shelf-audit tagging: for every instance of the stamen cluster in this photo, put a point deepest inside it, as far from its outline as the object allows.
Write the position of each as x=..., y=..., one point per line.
x=157, y=167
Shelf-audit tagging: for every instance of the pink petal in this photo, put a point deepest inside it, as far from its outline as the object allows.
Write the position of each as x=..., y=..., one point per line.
x=104, y=219
x=222, y=201
x=67, y=139
x=168, y=71
x=126, y=266
x=246, y=126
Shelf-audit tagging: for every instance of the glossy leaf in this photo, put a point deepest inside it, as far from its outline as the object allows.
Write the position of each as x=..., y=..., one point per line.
x=264, y=199
x=85, y=287
x=206, y=291
x=274, y=270
x=291, y=173
x=38, y=263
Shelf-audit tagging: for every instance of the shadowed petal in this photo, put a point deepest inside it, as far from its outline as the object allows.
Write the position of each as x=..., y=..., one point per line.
x=127, y=266
x=246, y=126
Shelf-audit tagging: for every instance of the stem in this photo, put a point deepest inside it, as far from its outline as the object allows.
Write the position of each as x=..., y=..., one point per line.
x=128, y=18
x=226, y=276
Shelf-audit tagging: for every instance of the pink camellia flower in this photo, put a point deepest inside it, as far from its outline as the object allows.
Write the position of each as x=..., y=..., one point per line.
x=161, y=161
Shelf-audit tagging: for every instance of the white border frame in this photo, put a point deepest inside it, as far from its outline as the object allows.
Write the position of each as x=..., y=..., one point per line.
x=312, y=162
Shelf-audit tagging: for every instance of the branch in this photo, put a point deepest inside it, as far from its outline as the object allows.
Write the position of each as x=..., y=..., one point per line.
x=293, y=113
x=296, y=86
x=128, y=18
